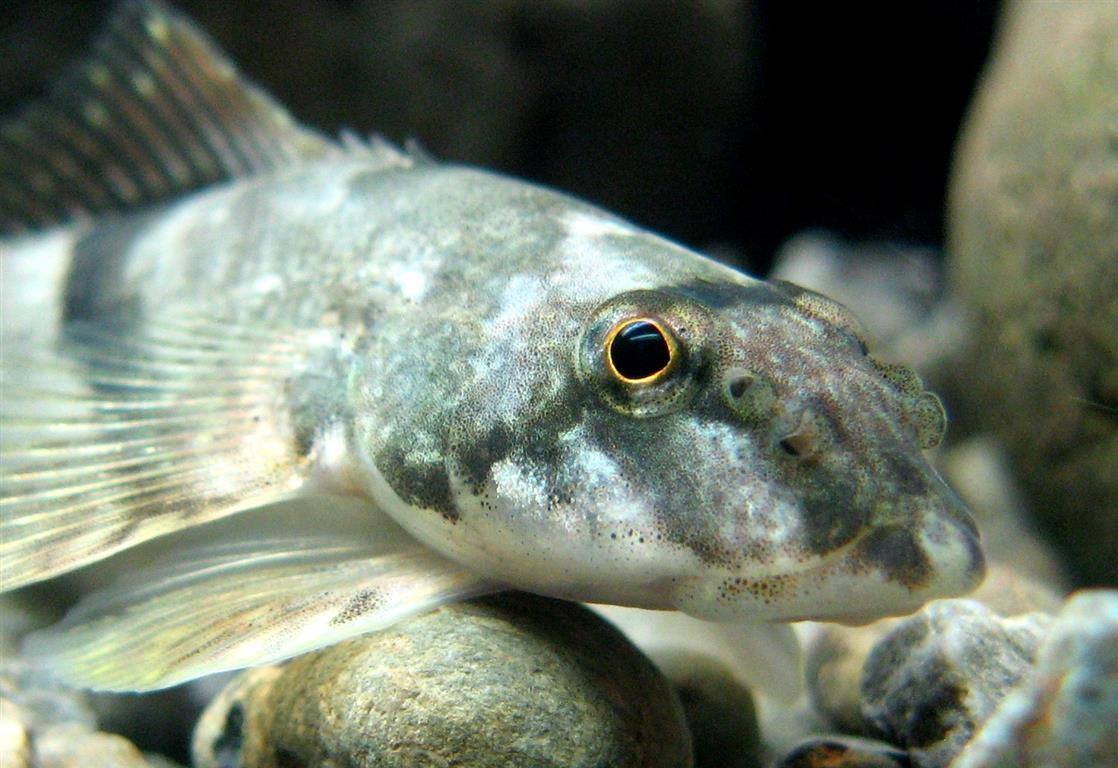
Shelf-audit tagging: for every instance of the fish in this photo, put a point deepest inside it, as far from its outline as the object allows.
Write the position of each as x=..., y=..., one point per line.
x=345, y=383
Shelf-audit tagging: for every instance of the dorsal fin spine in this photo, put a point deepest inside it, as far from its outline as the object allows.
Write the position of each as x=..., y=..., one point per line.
x=155, y=112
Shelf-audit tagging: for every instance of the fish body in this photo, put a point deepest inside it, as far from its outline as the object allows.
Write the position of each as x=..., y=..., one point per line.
x=517, y=388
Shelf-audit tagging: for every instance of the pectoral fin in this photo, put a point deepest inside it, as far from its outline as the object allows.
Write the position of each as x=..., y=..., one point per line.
x=764, y=656
x=219, y=608
x=120, y=436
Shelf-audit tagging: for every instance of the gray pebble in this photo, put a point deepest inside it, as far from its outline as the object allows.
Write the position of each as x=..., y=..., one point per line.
x=515, y=680
x=834, y=659
x=836, y=655
x=1065, y=713
x=72, y=746
x=935, y=678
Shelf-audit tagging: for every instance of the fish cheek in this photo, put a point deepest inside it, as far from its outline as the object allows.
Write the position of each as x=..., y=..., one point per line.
x=421, y=484
x=831, y=513
x=479, y=439
x=897, y=554
x=666, y=469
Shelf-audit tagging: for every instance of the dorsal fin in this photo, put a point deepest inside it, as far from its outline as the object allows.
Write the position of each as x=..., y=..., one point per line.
x=156, y=111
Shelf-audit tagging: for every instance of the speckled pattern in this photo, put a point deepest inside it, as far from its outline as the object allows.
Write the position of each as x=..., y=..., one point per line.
x=461, y=315
x=436, y=341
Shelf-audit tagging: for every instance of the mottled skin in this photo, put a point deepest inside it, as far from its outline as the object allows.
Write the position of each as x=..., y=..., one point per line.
x=457, y=379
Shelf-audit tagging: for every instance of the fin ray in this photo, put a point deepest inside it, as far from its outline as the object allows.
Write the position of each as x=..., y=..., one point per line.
x=213, y=610
x=87, y=470
x=155, y=112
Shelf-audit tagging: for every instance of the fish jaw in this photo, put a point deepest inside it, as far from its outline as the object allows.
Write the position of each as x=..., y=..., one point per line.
x=890, y=569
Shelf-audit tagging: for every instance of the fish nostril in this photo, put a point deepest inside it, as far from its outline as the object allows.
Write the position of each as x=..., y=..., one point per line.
x=804, y=441
x=790, y=445
x=738, y=385
x=750, y=396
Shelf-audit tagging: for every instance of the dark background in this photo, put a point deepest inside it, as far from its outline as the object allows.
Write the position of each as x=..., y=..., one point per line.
x=727, y=124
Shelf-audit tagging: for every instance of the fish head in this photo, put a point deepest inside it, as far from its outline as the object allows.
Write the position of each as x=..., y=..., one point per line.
x=614, y=418
x=776, y=464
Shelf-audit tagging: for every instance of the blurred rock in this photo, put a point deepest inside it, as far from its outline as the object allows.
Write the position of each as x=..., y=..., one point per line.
x=515, y=680
x=784, y=727
x=40, y=702
x=978, y=471
x=720, y=711
x=1066, y=710
x=1034, y=255
x=835, y=657
x=43, y=725
x=844, y=752
x=890, y=288
x=938, y=674
x=72, y=746
x=15, y=740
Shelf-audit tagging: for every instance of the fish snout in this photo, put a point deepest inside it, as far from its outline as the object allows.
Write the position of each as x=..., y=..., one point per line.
x=931, y=551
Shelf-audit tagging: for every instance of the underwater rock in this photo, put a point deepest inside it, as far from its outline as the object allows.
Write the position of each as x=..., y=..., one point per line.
x=71, y=746
x=786, y=726
x=39, y=702
x=47, y=726
x=15, y=738
x=893, y=289
x=834, y=659
x=1035, y=578
x=1064, y=713
x=516, y=680
x=836, y=655
x=844, y=752
x=1033, y=253
x=938, y=674
x=720, y=711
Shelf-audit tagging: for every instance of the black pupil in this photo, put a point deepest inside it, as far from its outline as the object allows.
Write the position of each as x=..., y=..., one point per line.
x=639, y=350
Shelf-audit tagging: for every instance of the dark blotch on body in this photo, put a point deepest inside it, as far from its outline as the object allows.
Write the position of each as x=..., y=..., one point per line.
x=360, y=604
x=419, y=484
x=94, y=284
x=477, y=457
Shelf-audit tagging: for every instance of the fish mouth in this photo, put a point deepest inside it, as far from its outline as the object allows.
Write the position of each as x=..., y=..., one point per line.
x=889, y=568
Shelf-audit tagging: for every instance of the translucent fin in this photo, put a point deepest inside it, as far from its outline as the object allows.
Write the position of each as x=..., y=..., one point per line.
x=122, y=436
x=226, y=607
x=156, y=111
x=764, y=656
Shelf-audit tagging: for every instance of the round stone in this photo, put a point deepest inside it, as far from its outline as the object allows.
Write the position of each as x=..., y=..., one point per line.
x=515, y=680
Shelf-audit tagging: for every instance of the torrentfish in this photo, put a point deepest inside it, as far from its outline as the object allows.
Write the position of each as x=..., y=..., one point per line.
x=208, y=308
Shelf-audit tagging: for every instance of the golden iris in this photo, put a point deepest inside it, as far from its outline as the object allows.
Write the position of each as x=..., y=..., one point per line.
x=640, y=351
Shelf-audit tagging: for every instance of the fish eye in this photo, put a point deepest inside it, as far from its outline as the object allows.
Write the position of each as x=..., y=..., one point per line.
x=640, y=351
